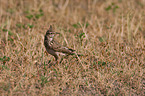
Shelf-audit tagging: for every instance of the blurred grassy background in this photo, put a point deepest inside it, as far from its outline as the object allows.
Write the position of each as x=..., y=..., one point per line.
x=110, y=32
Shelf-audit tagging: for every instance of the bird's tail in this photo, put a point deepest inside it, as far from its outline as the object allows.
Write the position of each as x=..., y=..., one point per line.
x=74, y=53
x=72, y=50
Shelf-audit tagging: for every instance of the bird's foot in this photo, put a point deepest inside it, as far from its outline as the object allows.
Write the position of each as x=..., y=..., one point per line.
x=52, y=64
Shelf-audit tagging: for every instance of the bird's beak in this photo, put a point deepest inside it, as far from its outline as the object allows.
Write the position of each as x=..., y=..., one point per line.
x=57, y=33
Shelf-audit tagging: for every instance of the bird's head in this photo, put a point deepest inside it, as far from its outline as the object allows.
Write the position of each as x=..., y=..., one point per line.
x=50, y=33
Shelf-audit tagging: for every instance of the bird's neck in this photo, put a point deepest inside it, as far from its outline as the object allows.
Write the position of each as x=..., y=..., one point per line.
x=49, y=38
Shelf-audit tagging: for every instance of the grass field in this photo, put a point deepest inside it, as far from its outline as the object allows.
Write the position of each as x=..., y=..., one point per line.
x=109, y=33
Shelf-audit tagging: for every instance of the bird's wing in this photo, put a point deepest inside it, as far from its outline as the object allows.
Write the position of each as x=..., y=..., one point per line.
x=59, y=48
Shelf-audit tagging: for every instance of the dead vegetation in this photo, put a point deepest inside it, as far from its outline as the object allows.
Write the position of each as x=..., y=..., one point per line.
x=110, y=33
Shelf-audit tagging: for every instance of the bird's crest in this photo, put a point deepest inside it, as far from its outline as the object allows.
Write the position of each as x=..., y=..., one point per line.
x=50, y=28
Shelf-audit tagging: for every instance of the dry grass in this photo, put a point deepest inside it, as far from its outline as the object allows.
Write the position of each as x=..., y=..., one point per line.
x=110, y=32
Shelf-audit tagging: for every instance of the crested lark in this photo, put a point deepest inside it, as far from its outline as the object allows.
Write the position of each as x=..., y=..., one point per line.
x=53, y=47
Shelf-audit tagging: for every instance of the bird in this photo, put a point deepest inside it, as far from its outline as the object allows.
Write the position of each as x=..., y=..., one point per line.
x=53, y=47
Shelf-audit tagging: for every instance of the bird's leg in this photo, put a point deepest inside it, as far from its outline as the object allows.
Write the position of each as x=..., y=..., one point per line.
x=61, y=60
x=54, y=62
